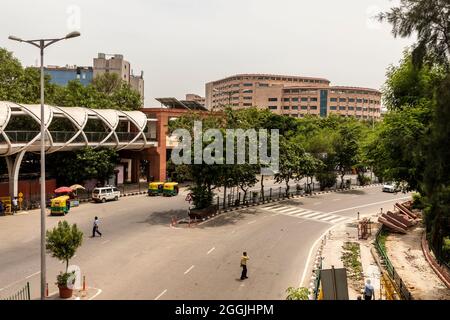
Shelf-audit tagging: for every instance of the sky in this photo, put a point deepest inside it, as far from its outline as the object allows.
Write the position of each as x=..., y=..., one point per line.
x=182, y=44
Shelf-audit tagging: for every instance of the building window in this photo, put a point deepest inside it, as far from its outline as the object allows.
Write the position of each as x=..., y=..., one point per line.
x=286, y=99
x=333, y=108
x=304, y=99
x=358, y=108
x=351, y=100
x=247, y=104
x=273, y=107
x=263, y=85
x=359, y=100
x=333, y=99
x=248, y=84
x=273, y=99
x=341, y=108
x=313, y=107
x=247, y=98
x=342, y=100
x=294, y=107
x=313, y=99
x=366, y=101
x=294, y=99
x=351, y=108
x=304, y=107
x=286, y=107
x=247, y=91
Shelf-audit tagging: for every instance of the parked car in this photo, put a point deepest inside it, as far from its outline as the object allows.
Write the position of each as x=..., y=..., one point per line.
x=104, y=194
x=391, y=187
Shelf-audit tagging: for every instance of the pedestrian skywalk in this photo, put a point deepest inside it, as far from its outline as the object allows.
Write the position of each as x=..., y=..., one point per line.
x=297, y=212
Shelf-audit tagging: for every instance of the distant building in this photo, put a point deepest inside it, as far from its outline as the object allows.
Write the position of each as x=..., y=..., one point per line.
x=196, y=98
x=293, y=95
x=115, y=63
x=62, y=75
x=104, y=63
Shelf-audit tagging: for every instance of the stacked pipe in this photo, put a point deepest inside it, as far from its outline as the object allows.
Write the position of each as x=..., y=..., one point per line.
x=399, y=221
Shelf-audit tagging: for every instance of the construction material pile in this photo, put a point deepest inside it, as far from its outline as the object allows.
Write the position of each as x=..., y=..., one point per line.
x=401, y=219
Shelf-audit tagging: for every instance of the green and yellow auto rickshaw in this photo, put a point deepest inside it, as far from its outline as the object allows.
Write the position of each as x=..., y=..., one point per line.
x=60, y=206
x=155, y=188
x=170, y=189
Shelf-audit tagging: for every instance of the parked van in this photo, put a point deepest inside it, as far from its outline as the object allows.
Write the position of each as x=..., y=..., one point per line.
x=104, y=194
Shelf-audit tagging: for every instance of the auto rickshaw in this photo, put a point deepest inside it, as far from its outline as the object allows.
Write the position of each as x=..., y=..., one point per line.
x=170, y=189
x=155, y=188
x=60, y=206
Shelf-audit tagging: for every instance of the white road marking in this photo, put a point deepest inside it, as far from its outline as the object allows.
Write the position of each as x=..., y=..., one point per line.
x=189, y=270
x=303, y=213
x=311, y=215
x=335, y=199
x=330, y=217
x=106, y=241
x=323, y=215
x=211, y=250
x=161, y=294
x=338, y=219
x=289, y=211
x=280, y=209
x=96, y=294
x=369, y=204
x=252, y=222
x=32, y=275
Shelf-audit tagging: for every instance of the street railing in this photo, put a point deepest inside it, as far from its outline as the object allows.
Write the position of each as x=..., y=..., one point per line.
x=22, y=294
x=401, y=286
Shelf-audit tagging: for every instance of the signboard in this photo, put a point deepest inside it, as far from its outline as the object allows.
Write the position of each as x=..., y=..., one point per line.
x=334, y=284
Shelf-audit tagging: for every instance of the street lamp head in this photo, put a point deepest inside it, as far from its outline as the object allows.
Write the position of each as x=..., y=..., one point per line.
x=14, y=38
x=73, y=34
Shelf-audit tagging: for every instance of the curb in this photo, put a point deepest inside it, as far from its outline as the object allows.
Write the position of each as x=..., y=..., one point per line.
x=440, y=272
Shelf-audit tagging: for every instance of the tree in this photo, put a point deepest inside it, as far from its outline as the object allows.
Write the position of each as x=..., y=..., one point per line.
x=63, y=241
x=85, y=164
x=290, y=161
x=297, y=293
x=346, y=147
x=429, y=19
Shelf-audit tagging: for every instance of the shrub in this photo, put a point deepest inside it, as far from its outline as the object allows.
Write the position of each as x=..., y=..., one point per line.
x=297, y=293
x=326, y=179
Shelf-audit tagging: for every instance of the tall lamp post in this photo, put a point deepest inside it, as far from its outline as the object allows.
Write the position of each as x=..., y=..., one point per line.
x=42, y=44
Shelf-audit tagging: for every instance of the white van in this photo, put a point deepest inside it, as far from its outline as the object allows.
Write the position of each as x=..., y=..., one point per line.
x=105, y=193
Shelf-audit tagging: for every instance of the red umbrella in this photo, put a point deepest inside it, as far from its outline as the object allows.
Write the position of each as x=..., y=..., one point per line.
x=63, y=190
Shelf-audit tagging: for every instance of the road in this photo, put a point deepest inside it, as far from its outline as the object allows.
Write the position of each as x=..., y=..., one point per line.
x=141, y=257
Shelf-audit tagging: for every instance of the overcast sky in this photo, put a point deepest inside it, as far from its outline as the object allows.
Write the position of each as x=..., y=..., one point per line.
x=182, y=44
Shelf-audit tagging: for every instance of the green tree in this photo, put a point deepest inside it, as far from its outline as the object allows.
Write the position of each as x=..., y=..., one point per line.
x=297, y=293
x=429, y=20
x=290, y=161
x=63, y=241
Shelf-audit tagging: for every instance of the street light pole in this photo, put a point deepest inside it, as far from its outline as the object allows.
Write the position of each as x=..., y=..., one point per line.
x=42, y=44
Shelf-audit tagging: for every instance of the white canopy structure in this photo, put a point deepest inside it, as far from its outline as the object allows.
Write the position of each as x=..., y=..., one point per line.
x=140, y=132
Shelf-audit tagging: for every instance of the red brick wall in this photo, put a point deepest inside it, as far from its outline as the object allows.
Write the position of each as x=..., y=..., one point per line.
x=29, y=188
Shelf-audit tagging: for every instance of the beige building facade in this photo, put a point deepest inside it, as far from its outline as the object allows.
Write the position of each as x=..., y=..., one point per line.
x=196, y=98
x=294, y=96
x=117, y=64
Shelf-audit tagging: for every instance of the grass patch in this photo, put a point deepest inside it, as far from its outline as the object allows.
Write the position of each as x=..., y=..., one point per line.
x=382, y=239
x=351, y=260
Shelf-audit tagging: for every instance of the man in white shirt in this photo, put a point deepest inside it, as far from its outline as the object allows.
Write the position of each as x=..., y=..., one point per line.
x=15, y=205
x=95, y=228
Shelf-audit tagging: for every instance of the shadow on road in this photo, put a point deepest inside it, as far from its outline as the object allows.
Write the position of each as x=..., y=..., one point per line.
x=356, y=192
x=165, y=217
x=230, y=218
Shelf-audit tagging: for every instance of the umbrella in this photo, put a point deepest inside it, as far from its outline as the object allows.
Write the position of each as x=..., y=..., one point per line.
x=77, y=186
x=63, y=190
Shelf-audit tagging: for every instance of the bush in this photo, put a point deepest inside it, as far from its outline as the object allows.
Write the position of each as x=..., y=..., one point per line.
x=363, y=180
x=62, y=280
x=418, y=201
x=201, y=197
x=297, y=293
x=326, y=179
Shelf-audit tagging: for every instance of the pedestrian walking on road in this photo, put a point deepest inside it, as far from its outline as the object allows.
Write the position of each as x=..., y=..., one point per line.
x=95, y=228
x=369, y=291
x=15, y=205
x=244, y=260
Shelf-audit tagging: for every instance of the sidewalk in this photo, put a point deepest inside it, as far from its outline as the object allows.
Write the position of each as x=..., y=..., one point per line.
x=407, y=257
x=343, y=249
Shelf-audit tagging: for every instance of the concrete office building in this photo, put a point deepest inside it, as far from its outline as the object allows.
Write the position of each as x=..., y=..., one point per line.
x=196, y=98
x=62, y=75
x=293, y=96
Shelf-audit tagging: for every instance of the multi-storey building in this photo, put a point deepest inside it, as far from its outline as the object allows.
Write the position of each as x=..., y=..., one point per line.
x=196, y=98
x=62, y=75
x=293, y=96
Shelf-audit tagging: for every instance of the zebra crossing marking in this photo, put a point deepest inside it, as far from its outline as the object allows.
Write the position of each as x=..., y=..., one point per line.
x=296, y=212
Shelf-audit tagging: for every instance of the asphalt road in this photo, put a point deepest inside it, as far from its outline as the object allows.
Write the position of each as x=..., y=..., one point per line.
x=140, y=256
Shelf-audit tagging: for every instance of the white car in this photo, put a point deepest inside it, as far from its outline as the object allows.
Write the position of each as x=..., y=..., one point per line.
x=390, y=187
x=104, y=194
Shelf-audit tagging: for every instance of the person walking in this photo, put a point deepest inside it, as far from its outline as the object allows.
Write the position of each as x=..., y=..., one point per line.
x=15, y=205
x=95, y=228
x=244, y=260
x=369, y=291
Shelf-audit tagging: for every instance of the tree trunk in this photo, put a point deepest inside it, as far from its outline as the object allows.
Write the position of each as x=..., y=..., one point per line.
x=287, y=188
x=262, y=187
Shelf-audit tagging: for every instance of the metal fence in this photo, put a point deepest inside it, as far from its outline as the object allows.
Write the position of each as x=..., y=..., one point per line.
x=401, y=286
x=235, y=198
x=22, y=294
